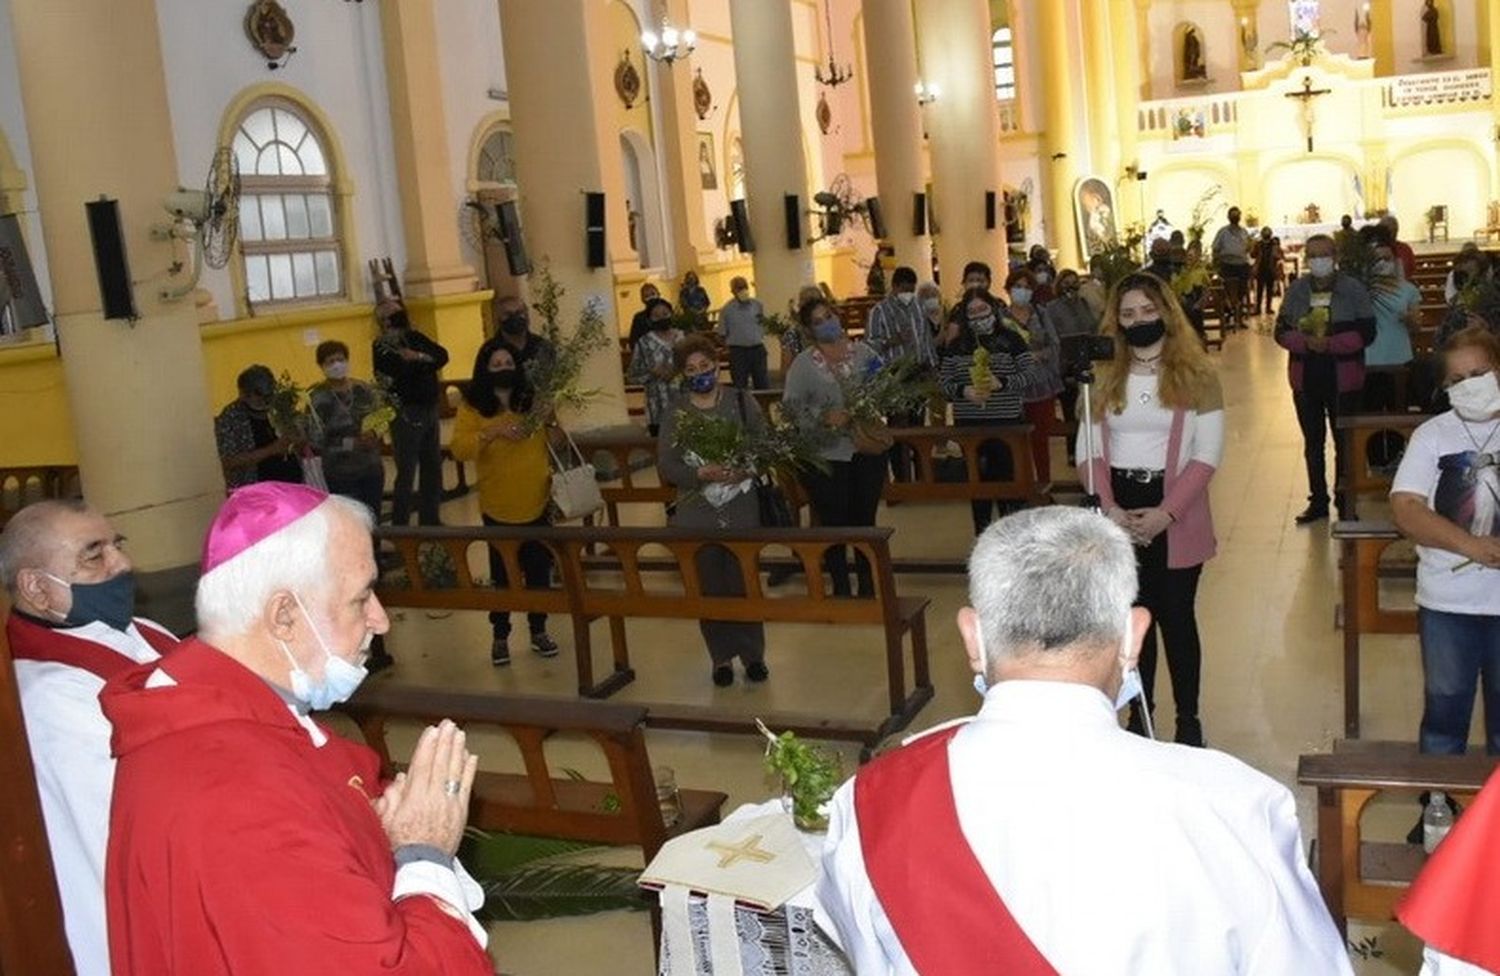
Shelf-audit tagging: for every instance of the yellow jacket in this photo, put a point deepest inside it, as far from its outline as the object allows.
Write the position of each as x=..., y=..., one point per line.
x=515, y=479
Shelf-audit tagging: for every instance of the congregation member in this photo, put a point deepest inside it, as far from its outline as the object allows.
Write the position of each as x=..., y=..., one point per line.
x=1043, y=273
x=1038, y=836
x=712, y=498
x=934, y=315
x=1470, y=266
x=994, y=401
x=515, y=331
x=493, y=428
x=1194, y=297
x=1231, y=257
x=1405, y=256
x=640, y=323
x=848, y=492
x=651, y=364
x=741, y=325
x=1325, y=322
x=1160, y=261
x=1040, y=398
x=339, y=405
x=72, y=626
x=250, y=447
x=1158, y=439
x=1071, y=315
x=244, y=835
x=692, y=297
x=1267, y=265
x=1446, y=498
x=1397, y=305
x=407, y=362
x=897, y=329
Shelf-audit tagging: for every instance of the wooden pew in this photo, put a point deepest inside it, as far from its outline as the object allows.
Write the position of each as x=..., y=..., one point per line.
x=32, y=940
x=1365, y=879
x=620, y=593
x=1359, y=430
x=1361, y=544
x=545, y=801
x=21, y=486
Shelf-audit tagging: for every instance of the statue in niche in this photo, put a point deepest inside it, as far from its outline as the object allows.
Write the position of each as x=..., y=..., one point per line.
x=1432, y=29
x=1362, y=32
x=1193, y=67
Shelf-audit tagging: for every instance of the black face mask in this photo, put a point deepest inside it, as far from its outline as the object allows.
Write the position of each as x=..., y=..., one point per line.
x=110, y=602
x=503, y=379
x=1144, y=334
x=515, y=324
x=398, y=320
x=661, y=325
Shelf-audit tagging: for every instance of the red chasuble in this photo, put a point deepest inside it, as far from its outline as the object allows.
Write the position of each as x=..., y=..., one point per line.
x=1454, y=905
x=943, y=907
x=30, y=641
x=237, y=846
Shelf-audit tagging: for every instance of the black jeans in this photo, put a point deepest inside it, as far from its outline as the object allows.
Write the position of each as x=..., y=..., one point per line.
x=1265, y=293
x=995, y=464
x=901, y=457
x=848, y=495
x=419, y=457
x=366, y=486
x=1319, y=407
x=1380, y=396
x=747, y=367
x=1171, y=596
x=536, y=570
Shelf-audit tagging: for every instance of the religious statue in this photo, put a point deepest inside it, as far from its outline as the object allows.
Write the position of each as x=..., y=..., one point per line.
x=1362, y=32
x=1249, y=42
x=1432, y=29
x=1193, y=67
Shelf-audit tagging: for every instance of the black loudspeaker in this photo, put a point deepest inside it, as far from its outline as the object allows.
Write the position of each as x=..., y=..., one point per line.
x=989, y=209
x=739, y=214
x=833, y=223
x=508, y=217
x=594, y=228
x=793, y=207
x=109, y=259
x=919, y=214
x=877, y=219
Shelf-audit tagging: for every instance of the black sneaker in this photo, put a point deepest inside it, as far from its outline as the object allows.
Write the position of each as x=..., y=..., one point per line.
x=757, y=671
x=500, y=652
x=723, y=676
x=1189, y=733
x=1311, y=514
x=543, y=645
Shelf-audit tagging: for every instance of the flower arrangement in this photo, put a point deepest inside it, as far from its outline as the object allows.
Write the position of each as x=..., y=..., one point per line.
x=1190, y=279
x=1122, y=258
x=809, y=776
x=1205, y=210
x=776, y=324
x=555, y=378
x=379, y=420
x=1304, y=46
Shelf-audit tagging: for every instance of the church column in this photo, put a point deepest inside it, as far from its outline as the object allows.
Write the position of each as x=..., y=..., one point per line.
x=1127, y=92
x=557, y=161
x=1059, y=158
x=1383, y=27
x=1143, y=46
x=434, y=261
x=138, y=390
x=673, y=88
x=964, y=127
x=770, y=126
x=1103, y=112
x=896, y=123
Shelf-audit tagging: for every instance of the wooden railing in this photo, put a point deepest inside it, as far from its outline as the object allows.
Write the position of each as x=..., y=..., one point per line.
x=1361, y=545
x=1360, y=431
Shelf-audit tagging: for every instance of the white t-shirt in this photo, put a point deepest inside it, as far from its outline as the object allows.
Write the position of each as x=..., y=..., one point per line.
x=1455, y=466
x=1138, y=435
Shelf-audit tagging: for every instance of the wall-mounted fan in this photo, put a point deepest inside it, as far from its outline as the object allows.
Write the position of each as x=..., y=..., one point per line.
x=841, y=204
x=208, y=219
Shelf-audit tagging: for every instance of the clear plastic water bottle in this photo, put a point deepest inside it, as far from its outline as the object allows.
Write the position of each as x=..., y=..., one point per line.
x=1437, y=820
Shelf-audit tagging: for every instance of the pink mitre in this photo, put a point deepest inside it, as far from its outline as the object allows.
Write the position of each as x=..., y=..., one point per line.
x=253, y=513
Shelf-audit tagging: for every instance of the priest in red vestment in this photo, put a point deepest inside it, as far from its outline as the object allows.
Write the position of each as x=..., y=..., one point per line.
x=1454, y=905
x=245, y=837
x=71, y=627
x=1041, y=838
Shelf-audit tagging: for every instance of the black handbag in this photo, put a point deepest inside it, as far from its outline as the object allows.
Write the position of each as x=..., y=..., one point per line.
x=775, y=510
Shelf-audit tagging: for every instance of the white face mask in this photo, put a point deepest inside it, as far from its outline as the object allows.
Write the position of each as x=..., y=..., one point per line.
x=336, y=369
x=906, y=297
x=1476, y=398
x=1384, y=269
x=1320, y=267
x=340, y=678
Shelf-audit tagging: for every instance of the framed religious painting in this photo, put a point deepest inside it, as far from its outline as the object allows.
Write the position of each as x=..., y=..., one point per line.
x=708, y=173
x=1094, y=208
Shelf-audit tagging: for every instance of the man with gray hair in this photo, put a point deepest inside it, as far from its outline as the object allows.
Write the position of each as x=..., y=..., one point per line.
x=1040, y=837
x=71, y=627
x=246, y=837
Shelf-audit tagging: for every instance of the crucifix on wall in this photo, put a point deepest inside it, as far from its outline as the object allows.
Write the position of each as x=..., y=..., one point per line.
x=1307, y=94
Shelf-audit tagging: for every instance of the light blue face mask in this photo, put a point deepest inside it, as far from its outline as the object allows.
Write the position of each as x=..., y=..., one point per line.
x=340, y=678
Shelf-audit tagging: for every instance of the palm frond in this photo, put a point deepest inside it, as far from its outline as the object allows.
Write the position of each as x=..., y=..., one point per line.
x=489, y=855
x=558, y=890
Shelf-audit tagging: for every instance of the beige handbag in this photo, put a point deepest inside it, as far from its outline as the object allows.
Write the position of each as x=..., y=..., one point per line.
x=575, y=490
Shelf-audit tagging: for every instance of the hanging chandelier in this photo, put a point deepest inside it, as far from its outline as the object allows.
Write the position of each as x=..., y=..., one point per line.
x=835, y=75
x=670, y=43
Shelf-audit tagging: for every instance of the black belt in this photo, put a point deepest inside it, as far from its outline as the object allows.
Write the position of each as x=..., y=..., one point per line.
x=1141, y=476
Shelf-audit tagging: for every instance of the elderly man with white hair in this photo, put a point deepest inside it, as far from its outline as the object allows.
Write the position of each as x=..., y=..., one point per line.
x=247, y=838
x=1040, y=837
x=72, y=626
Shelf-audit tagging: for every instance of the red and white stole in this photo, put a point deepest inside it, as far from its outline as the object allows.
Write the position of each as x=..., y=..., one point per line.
x=943, y=907
x=33, y=642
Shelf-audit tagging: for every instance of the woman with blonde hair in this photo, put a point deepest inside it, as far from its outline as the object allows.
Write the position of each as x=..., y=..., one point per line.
x=1157, y=439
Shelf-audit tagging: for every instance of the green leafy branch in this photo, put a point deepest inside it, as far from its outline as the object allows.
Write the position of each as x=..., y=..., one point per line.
x=555, y=378
x=810, y=775
x=527, y=878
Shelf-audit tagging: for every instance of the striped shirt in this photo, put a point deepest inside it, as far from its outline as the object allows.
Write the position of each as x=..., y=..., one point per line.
x=1010, y=363
x=895, y=330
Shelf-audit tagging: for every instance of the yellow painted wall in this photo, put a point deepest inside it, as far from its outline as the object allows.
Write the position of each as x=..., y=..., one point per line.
x=37, y=428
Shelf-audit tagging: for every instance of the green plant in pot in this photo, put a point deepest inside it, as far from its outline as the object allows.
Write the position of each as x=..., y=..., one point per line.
x=810, y=775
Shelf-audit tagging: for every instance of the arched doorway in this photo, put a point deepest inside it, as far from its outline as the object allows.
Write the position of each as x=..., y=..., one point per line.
x=642, y=199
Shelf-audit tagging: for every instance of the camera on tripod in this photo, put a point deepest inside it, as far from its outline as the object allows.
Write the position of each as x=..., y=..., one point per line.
x=1079, y=354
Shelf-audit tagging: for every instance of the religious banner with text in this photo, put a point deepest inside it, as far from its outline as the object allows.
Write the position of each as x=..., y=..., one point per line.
x=1443, y=88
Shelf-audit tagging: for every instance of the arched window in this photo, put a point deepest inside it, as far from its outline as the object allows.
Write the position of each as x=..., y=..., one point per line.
x=288, y=228
x=497, y=163
x=1005, y=64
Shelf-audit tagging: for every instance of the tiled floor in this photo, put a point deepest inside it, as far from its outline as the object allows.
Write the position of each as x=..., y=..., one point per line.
x=1271, y=672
